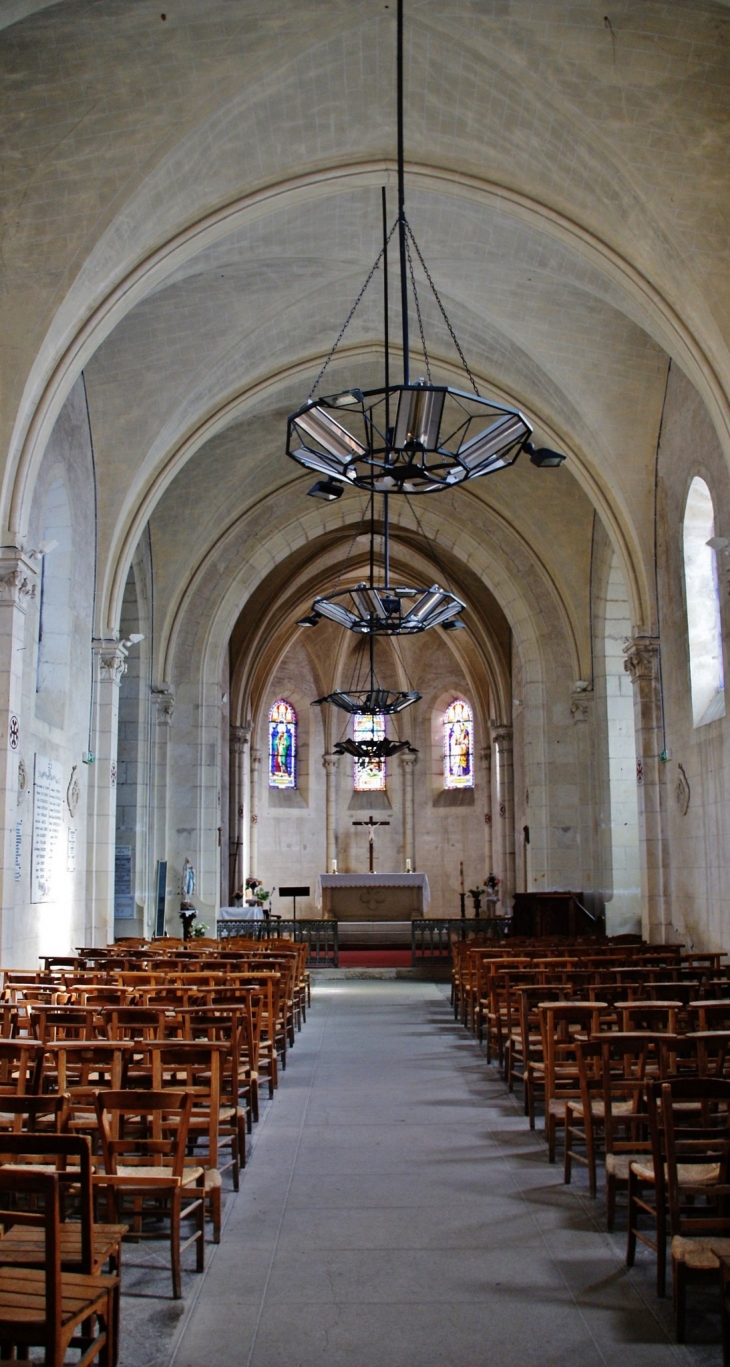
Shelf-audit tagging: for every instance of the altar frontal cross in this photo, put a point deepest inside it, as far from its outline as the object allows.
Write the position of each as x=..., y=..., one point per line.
x=371, y=838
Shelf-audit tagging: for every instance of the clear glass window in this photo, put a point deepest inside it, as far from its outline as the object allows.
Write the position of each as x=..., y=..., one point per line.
x=702, y=590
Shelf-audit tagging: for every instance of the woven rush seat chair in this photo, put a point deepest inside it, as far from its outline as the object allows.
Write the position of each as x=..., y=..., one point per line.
x=612, y=1068
x=46, y=1307
x=143, y=1139
x=689, y=1173
x=85, y=1246
x=561, y=1023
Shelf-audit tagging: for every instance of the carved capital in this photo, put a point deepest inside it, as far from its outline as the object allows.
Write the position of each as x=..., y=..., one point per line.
x=256, y=759
x=164, y=700
x=641, y=660
x=408, y=761
x=17, y=581
x=502, y=735
x=581, y=704
x=240, y=737
x=330, y=763
x=112, y=661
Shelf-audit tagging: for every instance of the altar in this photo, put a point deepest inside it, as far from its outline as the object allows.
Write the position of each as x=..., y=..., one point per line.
x=372, y=896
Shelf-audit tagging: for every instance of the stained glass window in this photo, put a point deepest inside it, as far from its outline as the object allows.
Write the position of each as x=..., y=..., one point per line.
x=458, y=745
x=369, y=773
x=282, y=745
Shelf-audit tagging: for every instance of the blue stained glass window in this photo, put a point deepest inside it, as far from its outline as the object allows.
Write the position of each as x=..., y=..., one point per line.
x=282, y=745
x=458, y=745
x=369, y=773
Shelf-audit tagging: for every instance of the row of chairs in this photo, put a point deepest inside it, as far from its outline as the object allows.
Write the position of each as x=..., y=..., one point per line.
x=640, y=1080
x=123, y=1104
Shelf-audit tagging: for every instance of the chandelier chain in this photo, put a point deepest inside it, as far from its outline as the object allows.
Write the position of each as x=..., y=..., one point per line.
x=353, y=310
x=418, y=310
x=444, y=314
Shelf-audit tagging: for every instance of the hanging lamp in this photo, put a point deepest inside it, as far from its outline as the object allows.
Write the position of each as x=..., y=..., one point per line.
x=415, y=437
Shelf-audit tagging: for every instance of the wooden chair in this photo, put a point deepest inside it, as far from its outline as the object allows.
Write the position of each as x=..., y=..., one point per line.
x=560, y=1023
x=85, y=1247
x=48, y=1308
x=143, y=1138
x=690, y=1140
x=21, y=1066
x=612, y=1068
x=196, y=1066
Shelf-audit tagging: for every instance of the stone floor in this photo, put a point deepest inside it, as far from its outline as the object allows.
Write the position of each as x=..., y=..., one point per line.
x=397, y=1210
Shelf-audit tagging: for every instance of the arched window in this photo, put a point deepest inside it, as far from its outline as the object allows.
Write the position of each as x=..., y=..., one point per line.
x=282, y=745
x=458, y=745
x=704, y=627
x=369, y=775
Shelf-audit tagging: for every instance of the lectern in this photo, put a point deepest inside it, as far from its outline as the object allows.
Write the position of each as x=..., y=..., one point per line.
x=294, y=893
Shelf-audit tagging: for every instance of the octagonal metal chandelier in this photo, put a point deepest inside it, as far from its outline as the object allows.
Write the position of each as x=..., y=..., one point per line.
x=415, y=437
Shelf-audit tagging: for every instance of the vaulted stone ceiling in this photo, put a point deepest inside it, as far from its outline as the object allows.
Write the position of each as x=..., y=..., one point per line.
x=192, y=203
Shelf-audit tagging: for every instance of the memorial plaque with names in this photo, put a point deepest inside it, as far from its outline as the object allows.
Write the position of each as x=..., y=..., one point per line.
x=123, y=897
x=18, y=849
x=71, y=851
x=47, y=828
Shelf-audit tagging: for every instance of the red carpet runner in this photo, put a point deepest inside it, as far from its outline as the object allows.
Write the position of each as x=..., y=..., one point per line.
x=375, y=958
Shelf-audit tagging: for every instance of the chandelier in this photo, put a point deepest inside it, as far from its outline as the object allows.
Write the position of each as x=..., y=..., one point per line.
x=415, y=437
x=438, y=440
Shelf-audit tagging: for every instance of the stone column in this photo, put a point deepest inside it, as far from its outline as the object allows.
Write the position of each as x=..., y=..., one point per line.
x=331, y=764
x=505, y=817
x=642, y=664
x=163, y=699
x=255, y=790
x=109, y=665
x=17, y=589
x=485, y=756
x=408, y=765
x=239, y=738
x=582, y=712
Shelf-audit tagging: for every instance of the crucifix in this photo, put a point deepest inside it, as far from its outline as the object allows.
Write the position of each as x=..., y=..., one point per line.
x=371, y=837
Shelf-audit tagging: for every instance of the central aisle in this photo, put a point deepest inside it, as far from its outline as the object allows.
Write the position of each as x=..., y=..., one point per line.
x=397, y=1212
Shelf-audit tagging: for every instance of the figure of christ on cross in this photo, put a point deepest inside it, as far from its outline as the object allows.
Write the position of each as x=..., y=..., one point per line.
x=371, y=827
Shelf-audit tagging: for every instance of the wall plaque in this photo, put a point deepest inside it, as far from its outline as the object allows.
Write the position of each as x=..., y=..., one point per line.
x=47, y=829
x=18, y=849
x=123, y=897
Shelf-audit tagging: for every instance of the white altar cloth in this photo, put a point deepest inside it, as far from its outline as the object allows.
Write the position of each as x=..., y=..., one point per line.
x=372, y=880
x=241, y=914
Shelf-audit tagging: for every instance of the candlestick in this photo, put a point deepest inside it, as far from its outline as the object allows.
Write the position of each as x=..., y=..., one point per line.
x=334, y=866
x=461, y=875
x=408, y=865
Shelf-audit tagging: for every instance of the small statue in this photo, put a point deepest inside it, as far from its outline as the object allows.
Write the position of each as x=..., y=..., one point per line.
x=188, y=881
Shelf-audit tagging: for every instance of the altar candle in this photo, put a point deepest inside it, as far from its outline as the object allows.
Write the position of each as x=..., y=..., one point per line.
x=461, y=875
x=408, y=865
x=334, y=866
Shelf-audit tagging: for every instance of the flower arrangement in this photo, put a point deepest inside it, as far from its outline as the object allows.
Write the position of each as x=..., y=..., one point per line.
x=490, y=884
x=256, y=889
x=199, y=931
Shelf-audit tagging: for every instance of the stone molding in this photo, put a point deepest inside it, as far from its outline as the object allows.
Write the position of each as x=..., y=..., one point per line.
x=330, y=763
x=408, y=761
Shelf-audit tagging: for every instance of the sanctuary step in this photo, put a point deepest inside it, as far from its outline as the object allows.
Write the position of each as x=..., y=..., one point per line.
x=374, y=934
